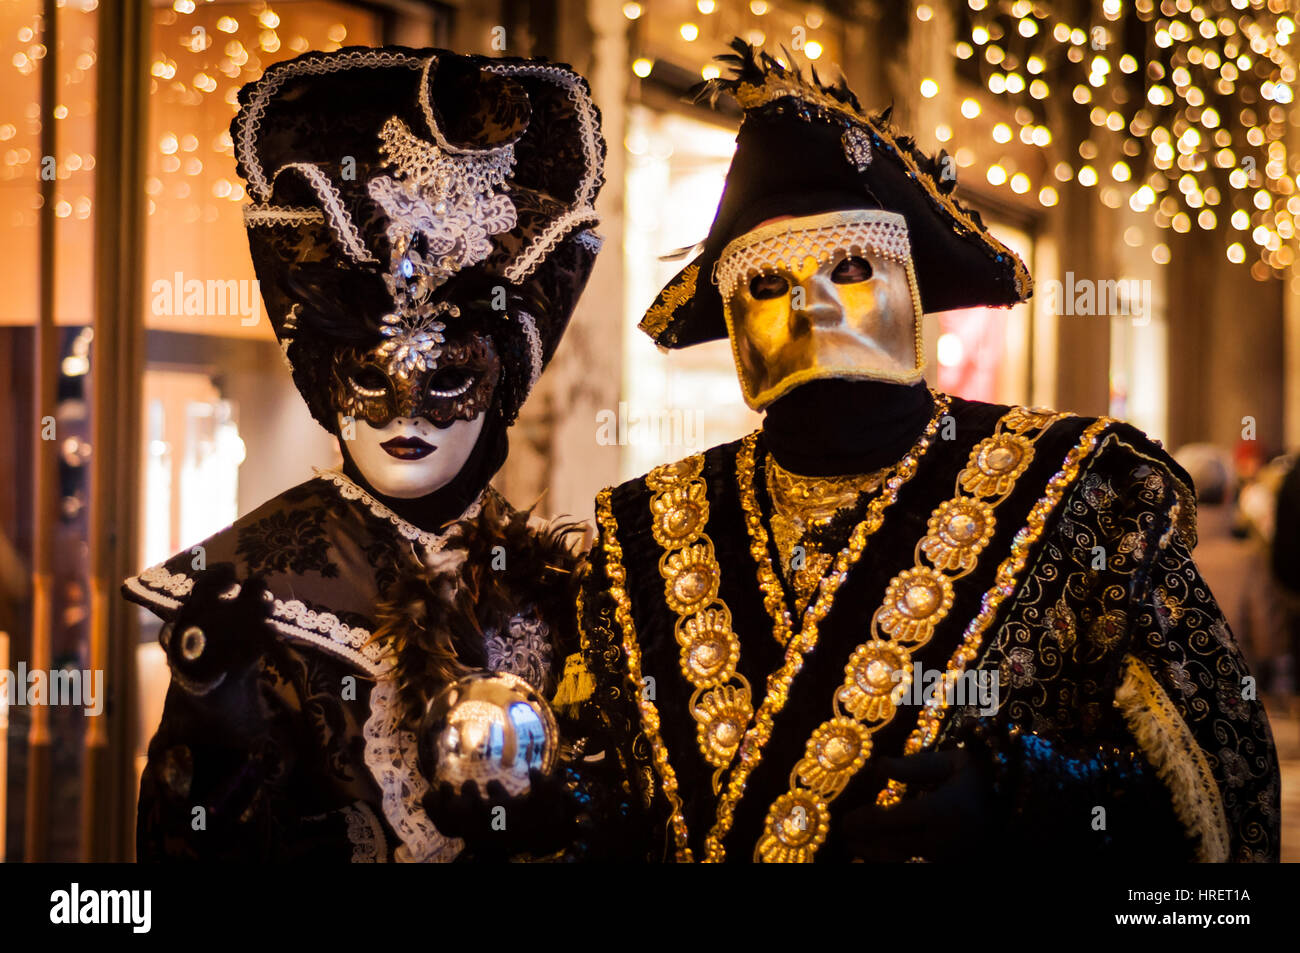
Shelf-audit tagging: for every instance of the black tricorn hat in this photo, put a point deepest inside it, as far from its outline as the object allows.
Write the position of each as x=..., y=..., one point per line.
x=471, y=175
x=806, y=148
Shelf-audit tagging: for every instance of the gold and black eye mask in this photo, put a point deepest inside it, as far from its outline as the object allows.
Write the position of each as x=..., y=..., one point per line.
x=377, y=387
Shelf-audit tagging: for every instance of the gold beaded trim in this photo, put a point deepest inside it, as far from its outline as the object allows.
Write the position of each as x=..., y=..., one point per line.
x=932, y=714
x=678, y=291
x=721, y=703
x=879, y=672
x=617, y=574
x=797, y=647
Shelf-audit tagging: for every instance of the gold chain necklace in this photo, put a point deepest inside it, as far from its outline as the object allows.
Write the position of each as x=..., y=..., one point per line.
x=802, y=505
x=778, y=683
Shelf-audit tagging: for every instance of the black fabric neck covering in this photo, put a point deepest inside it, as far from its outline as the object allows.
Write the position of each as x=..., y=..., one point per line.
x=434, y=511
x=835, y=427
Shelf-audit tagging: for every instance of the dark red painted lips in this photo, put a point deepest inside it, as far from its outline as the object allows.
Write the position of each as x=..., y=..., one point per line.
x=408, y=448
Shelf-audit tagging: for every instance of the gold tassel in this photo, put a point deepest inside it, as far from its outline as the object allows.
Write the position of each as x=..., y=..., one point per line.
x=1178, y=759
x=576, y=686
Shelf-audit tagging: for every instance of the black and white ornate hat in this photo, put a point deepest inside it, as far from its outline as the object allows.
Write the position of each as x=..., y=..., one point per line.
x=388, y=182
x=805, y=148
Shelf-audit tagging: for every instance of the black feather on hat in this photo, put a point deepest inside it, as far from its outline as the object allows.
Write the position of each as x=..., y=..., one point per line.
x=804, y=148
x=383, y=175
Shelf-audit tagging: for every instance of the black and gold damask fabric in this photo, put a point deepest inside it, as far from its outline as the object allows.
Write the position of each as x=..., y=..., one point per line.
x=1084, y=596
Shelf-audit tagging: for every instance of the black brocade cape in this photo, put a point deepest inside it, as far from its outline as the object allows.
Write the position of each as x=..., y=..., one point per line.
x=293, y=739
x=1103, y=663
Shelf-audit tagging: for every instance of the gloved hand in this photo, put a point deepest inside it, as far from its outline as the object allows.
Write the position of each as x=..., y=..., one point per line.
x=949, y=812
x=496, y=825
x=216, y=635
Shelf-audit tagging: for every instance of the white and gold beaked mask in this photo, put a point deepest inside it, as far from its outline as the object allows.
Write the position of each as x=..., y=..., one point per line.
x=830, y=295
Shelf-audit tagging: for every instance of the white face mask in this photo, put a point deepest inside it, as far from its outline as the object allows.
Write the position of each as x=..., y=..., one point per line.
x=410, y=457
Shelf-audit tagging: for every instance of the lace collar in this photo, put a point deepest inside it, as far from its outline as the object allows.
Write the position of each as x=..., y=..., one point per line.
x=432, y=542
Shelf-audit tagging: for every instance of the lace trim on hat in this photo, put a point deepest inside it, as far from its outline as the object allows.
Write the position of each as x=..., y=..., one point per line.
x=582, y=211
x=456, y=201
x=535, y=353
x=256, y=215
x=590, y=240
x=276, y=77
x=390, y=754
x=432, y=542
x=365, y=833
x=340, y=221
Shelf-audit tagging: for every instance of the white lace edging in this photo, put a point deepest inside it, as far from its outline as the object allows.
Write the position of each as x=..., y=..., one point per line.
x=583, y=210
x=589, y=126
x=366, y=834
x=390, y=755
x=275, y=78
x=354, y=643
x=589, y=240
x=256, y=215
x=340, y=221
x=533, y=255
x=289, y=617
x=432, y=542
x=535, y=352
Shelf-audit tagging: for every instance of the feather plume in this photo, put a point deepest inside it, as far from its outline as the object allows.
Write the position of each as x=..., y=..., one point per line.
x=434, y=619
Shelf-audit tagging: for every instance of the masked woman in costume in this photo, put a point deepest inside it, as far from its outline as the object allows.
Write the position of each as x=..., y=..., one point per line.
x=421, y=229
x=895, y=624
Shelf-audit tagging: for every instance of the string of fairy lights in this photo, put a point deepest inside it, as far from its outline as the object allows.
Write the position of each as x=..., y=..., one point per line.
x=1199, y=99
x=1187, y=102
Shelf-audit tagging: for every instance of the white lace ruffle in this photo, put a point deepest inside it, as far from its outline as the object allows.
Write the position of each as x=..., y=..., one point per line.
x=431, y=542
x=176, y=584
x=390, y=754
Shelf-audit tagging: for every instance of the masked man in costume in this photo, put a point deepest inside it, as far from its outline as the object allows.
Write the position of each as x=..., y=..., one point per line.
x=421, y=229
x=895, y=624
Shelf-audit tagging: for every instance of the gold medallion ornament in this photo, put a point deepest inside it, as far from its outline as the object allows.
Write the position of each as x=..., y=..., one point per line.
x=836, y=750
x=878, y=675
x=721, y=703
x=996, y=464
x=915, y=602
x=680, y=513
x=804, y=811
x=930, y=719
x=797, y=824
x=957, y=533
x=691, y=578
